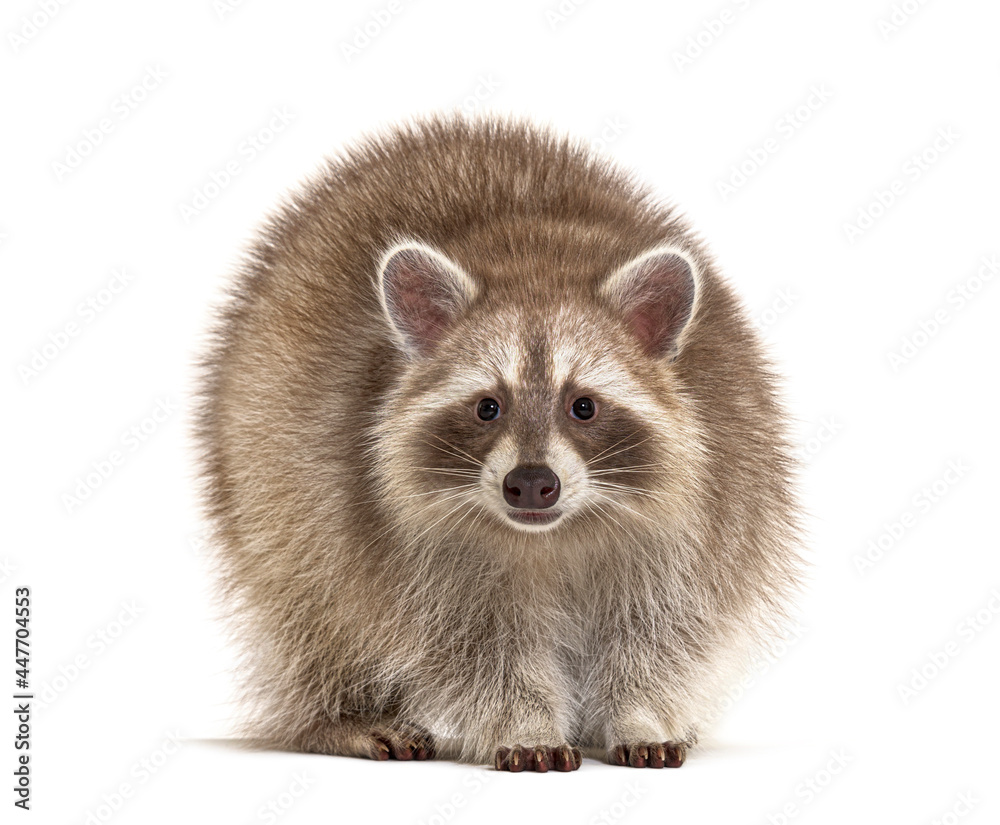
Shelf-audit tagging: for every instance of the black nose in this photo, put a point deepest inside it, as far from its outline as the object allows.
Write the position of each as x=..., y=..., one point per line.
x=531, y=488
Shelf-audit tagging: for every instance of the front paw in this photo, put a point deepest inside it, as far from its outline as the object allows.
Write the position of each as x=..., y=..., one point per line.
x=649, y=754
x=401, y=742
x=539, y=758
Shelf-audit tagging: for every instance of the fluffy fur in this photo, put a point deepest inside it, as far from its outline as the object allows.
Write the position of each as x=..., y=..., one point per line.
x=385, y=602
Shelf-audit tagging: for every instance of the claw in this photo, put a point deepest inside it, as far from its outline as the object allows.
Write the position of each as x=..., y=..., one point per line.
x=566, y=759
x=656, y=756
x=381, y=750
x=649, y=755
x=403, y=745
x=676, y=754
x=540, y=759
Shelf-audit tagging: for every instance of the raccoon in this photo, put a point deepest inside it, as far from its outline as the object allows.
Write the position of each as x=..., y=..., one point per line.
x=497, y=467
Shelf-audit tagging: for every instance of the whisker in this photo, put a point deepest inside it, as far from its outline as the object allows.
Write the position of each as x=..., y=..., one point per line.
x=425, y=493
x=626, y=507
x=626, y=438
x=449, y=452
x=635, y=468
x=627, y=488
x=461, y=492
x=622, y=450
x=688, y=495
x=594, y=505
x=413, y=540
x=473, y=459
x=441, y=490
x=476, y=512
x=472, y=524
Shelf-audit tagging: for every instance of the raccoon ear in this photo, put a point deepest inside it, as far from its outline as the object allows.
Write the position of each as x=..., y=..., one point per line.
x=422, y=292
x=656, y=292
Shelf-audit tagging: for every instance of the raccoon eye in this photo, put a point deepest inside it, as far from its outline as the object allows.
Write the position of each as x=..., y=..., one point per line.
x=583, y=408
x=488, y=409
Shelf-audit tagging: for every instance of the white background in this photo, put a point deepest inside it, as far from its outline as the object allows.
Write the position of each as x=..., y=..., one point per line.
x=887, y=337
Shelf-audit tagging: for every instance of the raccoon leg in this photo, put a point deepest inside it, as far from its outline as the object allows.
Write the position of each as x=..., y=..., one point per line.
x=641, y=732
x=378, y=738
x=643, y=739
x=643, y=708
x=529, y=736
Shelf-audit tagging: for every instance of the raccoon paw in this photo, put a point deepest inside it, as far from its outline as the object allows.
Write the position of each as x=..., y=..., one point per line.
x=540, y=758
x=401, y=743
x=649, y=754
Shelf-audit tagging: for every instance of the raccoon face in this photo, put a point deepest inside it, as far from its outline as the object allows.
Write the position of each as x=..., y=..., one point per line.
x=535, y=414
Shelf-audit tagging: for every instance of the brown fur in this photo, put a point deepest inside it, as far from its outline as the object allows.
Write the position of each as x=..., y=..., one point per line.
x=380, y=617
